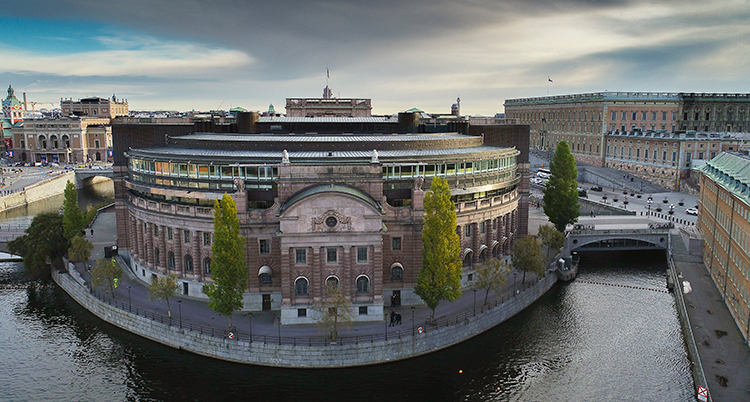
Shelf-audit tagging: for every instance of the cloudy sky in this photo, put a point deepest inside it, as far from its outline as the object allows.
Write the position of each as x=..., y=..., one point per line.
x=201, y=54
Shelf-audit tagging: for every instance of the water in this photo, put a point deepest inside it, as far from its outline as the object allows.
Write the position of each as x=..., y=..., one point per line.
x=582, y=341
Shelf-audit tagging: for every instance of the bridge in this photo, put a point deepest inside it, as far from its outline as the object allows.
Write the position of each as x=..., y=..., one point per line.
x=617, y=233
x=86, y=174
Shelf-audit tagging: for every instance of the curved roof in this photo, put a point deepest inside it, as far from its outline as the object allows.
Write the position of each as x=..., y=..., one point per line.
x=330, y=188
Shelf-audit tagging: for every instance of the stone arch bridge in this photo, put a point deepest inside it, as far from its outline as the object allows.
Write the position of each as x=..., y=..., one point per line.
x=617, y=233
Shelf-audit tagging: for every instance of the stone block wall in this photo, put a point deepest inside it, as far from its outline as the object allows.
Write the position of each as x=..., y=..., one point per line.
x=304, y=356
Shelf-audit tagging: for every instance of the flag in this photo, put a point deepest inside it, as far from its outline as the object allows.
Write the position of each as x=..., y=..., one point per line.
x=549, y=79
x=328, y=73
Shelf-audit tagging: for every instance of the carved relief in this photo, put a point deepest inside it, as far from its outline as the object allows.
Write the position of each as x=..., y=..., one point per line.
x=331, y=221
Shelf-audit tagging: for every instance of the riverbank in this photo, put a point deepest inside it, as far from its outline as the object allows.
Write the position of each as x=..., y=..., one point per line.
x=39, y=191
x=258, y=339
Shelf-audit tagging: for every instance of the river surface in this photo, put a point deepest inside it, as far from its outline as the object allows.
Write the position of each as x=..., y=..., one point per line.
x=583, y=341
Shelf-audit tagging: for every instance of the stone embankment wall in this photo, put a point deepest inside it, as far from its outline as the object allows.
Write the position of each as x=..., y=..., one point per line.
x=37, y=191
x=304, y=356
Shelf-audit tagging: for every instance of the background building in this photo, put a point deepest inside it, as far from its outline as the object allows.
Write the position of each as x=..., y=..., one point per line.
x=342, y=206
x=12, y=113
x=94, y=107
x=62, y=140
x=612, y=128
x=724, y=222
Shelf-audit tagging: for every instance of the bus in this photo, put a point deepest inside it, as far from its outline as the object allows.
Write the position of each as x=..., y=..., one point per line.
x=543, y=173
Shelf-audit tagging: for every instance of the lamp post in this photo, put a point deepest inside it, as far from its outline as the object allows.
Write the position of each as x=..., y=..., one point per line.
x=475, y=302
x=250, y=318
x=412, y=321
x=514, y=284
x=179, y=306
x=129, y=310
x=279, y=327
x=385, y=327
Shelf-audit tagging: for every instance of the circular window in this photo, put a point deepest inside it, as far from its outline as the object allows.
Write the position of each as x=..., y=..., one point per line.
x=331, y=221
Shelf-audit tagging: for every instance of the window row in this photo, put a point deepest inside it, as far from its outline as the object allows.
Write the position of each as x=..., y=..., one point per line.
x=302, y=284
x=300, y=254
x=186, y=234
x=407, y=171
x=197, y=171
x=188, y=266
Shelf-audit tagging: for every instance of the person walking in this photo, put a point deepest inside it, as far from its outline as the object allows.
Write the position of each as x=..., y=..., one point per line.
x=393, y=317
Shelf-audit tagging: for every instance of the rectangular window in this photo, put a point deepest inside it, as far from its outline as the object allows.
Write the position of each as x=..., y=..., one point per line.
x=331, y=255
x=156, y=231
x=674, y=156
x=361, y=254
x=614, y=116
x=481, y=227
x=653, y=115
x=186, y=236
x=300, y=255
x=362, y=310
x=645, y=153
x=467, y=231
x=624, y=115
x=169, y=233
x=265, y=247
x=301, y=312
x=635, y=116
x=396, y=243
x=664, y=115
x=206, y=239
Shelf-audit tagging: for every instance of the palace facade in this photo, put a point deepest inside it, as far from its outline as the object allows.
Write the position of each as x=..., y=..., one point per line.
x=321, y=200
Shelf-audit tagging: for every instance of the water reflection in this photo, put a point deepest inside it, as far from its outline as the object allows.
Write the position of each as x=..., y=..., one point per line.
x=582, y=342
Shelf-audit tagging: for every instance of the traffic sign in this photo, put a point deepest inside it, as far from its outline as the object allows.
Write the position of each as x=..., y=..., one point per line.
x=702, y=394
x=420, y=330
x=231, y=335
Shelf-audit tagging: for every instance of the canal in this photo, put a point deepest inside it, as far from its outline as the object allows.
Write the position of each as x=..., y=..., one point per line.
x=612, y=334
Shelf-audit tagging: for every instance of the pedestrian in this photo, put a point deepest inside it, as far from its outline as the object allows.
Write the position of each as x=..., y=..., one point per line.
x=393, y=317
x=393, y=300
x=398, y=318
x=92, y=231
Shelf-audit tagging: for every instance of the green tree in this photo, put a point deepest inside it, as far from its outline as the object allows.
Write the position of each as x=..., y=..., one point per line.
x=561, y=194
x=162, y=288
x=228, y=268
x=526, y=256
x=335, y=310
x=440, y=276
x=80, y=249
x=491, y=276
x=42, y=244
x=551, y=238
x=104, y=273
x=72, y=215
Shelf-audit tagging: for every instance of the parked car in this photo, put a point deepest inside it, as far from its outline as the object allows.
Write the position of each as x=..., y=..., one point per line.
x=692, y=211
x=596, y=188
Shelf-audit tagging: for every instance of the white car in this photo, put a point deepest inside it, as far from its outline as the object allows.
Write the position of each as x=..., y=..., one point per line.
x=692, y=211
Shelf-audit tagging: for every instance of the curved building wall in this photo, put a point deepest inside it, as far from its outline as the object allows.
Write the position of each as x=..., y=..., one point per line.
x=312, y=216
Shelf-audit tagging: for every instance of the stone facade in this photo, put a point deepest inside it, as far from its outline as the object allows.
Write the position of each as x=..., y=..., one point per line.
x=329, y=209
x=63, y=140
x=724, y=223
x=95, y=107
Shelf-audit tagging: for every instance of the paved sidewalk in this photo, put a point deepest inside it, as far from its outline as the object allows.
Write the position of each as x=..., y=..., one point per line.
x=724, y=354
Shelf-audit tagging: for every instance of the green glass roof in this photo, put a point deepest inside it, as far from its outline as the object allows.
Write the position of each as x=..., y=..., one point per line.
x=730, y=170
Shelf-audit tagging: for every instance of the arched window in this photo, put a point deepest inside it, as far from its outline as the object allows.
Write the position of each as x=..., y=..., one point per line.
x=170, y=260
x=188, y=263
x=264, y=274
x=301, y=286
x=42, y=142
x=397, y=272
x=66, y=141
x=53, y=140
x=98, y=156
x=332, y=281
x=207, y=266
x=467, y=258
x=363, y=284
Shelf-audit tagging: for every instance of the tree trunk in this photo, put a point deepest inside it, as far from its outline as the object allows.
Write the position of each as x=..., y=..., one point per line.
x=486, y=295
x=523, y=280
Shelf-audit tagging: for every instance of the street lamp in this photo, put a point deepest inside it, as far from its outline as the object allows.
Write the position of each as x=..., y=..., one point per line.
x=250, y=318
x=412, y=321
x=179, y=306
x=475, y=302
x=279, y=327
x=129, y=310
x=514, y=284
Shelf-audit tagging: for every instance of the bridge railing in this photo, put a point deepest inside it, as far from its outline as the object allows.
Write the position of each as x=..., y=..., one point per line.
x=584, y=232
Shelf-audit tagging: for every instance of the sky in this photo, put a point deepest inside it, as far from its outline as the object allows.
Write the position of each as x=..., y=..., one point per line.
x=202, y=55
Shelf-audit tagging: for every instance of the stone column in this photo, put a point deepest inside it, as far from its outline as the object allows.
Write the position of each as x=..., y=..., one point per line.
x=150, y=245
x=286, y=276
x=178, y=252
x=131, y=236
x=475, y=243
x=139, y=240
x=196, y=254
x=161, y=264
x=317, y=281
x=346, y=270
